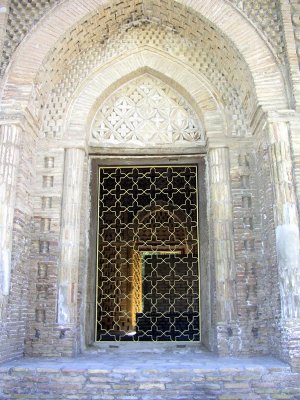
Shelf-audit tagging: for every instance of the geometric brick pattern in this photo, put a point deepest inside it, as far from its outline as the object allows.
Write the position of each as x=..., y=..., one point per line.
x=172, y=29
x=211, y=62
x=265, y=15
x=23, y=15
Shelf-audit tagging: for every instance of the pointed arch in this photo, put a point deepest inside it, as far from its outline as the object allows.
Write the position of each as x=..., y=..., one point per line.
x=29, y=57
x=104, y=81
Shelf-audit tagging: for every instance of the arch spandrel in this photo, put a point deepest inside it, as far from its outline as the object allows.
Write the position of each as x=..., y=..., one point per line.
x=107, y=80
x=146, y=47
x=30, y=55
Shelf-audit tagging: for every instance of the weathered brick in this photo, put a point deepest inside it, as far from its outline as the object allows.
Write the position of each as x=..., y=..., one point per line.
x=83, y=52
x=151, y=386
x=236, y=385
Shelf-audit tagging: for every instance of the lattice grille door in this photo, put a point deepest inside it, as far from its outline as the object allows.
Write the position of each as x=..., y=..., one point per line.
x=148, y=272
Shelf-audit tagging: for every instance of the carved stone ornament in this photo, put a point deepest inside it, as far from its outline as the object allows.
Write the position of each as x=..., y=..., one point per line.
x=146, y=112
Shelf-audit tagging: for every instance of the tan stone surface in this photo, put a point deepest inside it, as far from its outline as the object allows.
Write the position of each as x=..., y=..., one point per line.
x=236, y=65
x=9, y=159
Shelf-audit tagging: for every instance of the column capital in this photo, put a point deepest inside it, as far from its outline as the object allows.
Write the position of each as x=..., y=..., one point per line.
x=20, y=119
x=278, y=132
x=262, y=117
x=12, y=120
x=67, y=144
x=228, y=142
x=76, y=147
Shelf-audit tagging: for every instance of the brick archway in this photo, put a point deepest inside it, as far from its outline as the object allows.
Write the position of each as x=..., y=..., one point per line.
x=192, y=85
x=66, y=15
x=235, y=183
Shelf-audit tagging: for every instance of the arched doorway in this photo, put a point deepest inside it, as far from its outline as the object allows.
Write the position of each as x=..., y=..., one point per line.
x=148, y=246
x=240, y=100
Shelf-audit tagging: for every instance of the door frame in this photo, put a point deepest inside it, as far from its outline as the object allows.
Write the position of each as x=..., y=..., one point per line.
x=96, y=161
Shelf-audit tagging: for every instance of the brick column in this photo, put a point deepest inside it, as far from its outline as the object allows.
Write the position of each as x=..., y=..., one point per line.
x=287, y=238
x=286, y=220
x=222, y=221
x=9, y=163
x=70, y=236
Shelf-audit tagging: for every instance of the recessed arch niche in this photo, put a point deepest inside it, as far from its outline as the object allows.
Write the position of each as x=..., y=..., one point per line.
x=148, y=106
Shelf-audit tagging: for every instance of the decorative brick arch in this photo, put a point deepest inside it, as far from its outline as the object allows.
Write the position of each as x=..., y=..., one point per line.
x=112, y=75
x=30, y=55
x=260, y=79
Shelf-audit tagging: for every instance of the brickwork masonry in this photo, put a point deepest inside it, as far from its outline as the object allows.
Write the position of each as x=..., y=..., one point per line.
x=176, y=377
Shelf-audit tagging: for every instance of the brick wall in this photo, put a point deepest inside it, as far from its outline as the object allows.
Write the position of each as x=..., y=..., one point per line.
x=30, y=312
x=14, y=308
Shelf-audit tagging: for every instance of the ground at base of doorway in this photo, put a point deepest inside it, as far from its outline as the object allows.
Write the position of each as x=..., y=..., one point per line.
x=146, y=376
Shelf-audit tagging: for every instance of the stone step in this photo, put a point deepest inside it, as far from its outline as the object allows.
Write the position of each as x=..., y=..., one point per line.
x=146, y=347
x=141, y=376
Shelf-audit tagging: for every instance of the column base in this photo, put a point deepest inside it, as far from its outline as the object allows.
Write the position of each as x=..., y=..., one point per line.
x=290, y=342
x=53, y=341
x=228, y=339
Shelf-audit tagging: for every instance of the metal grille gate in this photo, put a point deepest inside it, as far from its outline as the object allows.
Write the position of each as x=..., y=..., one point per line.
x=147, y=272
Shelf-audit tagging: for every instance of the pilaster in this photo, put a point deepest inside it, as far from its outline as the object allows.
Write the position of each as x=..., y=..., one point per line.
x=9, y=163
x=70, y=236
x=287, y=238
x=223, y=243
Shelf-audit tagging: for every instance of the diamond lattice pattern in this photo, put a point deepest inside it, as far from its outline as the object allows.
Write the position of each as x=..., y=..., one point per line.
x=146, y=112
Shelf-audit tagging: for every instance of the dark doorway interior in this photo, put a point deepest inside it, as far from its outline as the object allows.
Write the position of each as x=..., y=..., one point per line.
x=147, y=254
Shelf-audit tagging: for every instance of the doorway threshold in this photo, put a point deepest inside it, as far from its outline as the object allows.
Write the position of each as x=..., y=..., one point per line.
x=146, y=347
